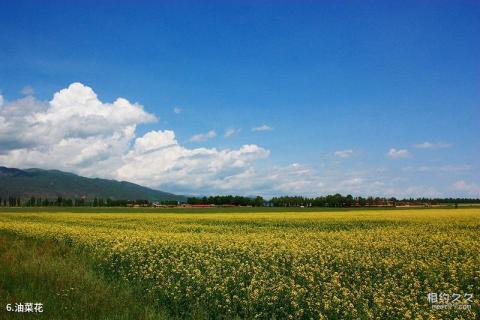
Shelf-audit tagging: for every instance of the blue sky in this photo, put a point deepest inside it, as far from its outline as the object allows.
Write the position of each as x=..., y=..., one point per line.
x=361, y=97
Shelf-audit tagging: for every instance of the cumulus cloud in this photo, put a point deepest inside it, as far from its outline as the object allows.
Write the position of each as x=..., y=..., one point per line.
x=344, y=153
x=231, y=132
x=203, y=136
x=177, y=110
x=27, y=91
x=398, y=153
x=263, y=127
x=74, y=131
x=432, y=145
x=157, y=158
x=77, y=132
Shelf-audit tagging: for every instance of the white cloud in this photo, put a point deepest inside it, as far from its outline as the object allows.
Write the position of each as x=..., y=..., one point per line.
x=419, y=191
x=300, y=179
x=446, y=168
x=154, y=140
x=352, y=182
x=344, y=153
x=203, y=136
x=231, y=132
x=27, y=91
x=177, y=110
x=263, y=127
x=471, y=189
x=167, y=163
x=77, y=132
x=74, y=131
x=432, y=145
x=397, y=154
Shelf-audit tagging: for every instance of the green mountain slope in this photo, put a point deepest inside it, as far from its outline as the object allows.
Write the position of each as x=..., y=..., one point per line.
x=54, y=183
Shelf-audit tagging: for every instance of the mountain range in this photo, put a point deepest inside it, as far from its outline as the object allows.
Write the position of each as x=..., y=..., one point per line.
x=51, y=184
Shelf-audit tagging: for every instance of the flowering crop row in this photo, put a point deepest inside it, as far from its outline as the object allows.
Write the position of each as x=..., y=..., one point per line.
x=326, y=265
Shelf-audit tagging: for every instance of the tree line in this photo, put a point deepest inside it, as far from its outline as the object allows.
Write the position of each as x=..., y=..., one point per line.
x=338, y=200
x=69, y=202
x=228, y=200
x=335, y=200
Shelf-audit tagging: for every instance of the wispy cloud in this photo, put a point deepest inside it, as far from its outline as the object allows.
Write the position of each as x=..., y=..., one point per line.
x=231, y=132
x=446, y=168
x=344, y=153
x=398, y=153
x=203, y=136
x=177, y=110
x=471, y=189
x=263, y=127
x=27, y=91
x=432, y=145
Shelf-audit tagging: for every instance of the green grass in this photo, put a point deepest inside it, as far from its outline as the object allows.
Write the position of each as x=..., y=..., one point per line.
x=65, y=281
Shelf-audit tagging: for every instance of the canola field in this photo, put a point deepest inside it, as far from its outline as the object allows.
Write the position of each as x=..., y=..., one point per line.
x=365, y=264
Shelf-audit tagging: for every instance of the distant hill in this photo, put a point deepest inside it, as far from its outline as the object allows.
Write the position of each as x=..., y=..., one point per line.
x=54, y=183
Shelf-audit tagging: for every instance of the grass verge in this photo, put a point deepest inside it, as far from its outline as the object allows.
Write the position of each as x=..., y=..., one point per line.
x=64, y=280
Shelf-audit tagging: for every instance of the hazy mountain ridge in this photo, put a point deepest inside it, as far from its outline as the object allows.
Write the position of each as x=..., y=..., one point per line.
x=54, y=183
